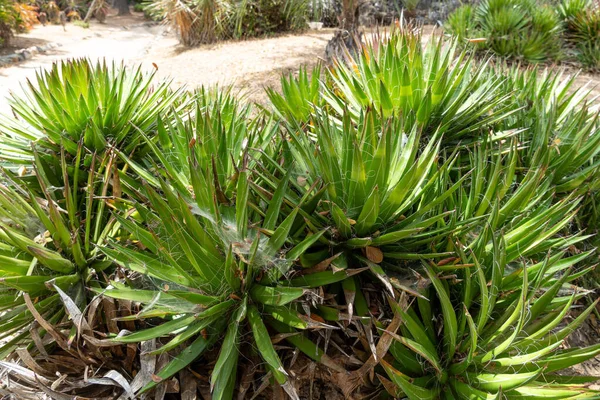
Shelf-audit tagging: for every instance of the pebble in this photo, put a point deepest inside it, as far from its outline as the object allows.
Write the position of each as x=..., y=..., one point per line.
x=25, y=54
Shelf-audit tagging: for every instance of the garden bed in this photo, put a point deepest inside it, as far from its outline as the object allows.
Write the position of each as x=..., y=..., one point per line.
x=439, y=274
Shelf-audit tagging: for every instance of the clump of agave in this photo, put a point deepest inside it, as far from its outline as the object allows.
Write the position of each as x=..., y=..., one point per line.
x=407, y=225
x=531, y=31
x=60, y=179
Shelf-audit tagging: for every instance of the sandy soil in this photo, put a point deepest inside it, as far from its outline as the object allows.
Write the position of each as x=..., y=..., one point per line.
x=248, y=65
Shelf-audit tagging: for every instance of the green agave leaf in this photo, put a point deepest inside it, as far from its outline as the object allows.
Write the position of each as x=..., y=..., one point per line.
x=495, y=382
x=525, y=358
x=49, y=258
x=197, y=327
x=567, y=358
x=185, y=358
x=368, y=216
x=37, y=284
x=275, y=296
x=286, y=316
x=341, y=221
x=298, y=250
x=450, y=323
x=222, y=380
x=306, y=346
x=273, y=211
x=421, y=350
x=280, y=235
x=551, y=392
x=146, y=264
x=265, y=347
x=465, y=391
x=164, y=329
x=323, y=278
x=195, y=298
x=414, y=326
x=412, y=391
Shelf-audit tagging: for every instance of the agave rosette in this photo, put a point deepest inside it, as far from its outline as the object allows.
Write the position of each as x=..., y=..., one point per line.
x=500, y=338
x=60, y=167
x=211, y=269
x=76, y=101
x=434, y=87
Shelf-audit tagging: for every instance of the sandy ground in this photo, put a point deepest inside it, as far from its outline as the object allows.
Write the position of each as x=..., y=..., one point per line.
x=120, y=39
x=248, y=65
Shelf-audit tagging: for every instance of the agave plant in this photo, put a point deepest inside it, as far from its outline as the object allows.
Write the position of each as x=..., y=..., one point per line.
x=496, y=341
x=48, y=247
x=205, y=299
x=556, y=118
x=75, y=101
x=61, y=171
x=510, y=28
x=485, y=322
x=379, y=191
x=26, y=268
x=428, y=87
x=236, y=282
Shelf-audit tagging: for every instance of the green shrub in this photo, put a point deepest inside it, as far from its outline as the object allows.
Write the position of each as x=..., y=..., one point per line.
x=510, y=28
x=585, y=35
x=235, y=266
x=8, y=22
x=206, y=21
x=570, y=10
x=259, y=17
x=462, y=22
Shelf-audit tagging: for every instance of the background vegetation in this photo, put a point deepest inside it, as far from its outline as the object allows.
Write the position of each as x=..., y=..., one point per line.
x=205, y=21
x=531, y=30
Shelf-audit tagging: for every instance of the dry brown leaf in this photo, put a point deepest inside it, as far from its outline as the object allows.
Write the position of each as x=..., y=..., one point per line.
x=374, y=254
